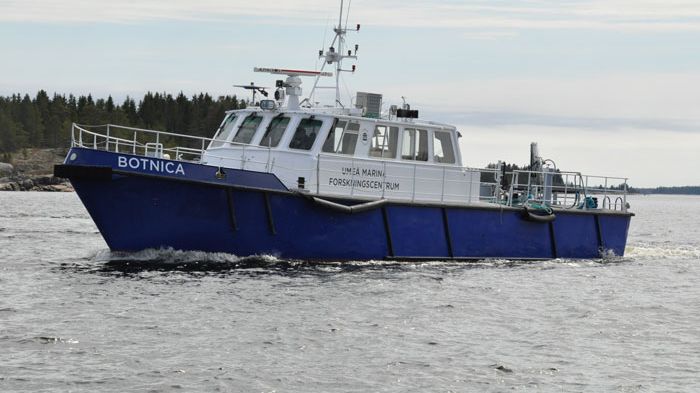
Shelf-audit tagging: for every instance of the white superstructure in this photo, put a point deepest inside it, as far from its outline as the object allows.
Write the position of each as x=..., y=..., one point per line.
x=330, y=153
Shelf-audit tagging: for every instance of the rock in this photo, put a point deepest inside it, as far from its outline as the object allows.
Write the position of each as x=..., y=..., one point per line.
x=26, y=184
x=37, y=162
x=64, y=187
x=32, y=170
x=6, y=169
x=47, y=180
x=11, y=186
x=42, y=183
x=503, y=368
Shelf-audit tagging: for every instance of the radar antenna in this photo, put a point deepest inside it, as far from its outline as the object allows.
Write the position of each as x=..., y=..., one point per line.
x=293, y=83
x=336, y=55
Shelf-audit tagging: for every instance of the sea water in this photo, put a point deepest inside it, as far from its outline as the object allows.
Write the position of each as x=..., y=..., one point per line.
x=76, y=317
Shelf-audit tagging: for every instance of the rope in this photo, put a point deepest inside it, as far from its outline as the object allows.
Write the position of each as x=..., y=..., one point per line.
x=541, y=207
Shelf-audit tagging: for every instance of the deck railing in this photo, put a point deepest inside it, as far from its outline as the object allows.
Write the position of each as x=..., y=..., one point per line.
x=139, y=141
x=569, y=190
x=420, y=181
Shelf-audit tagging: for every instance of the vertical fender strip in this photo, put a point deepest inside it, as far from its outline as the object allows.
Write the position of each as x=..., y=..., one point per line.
x=231, y=209
x=448, y=235
x=387, y=230
x=599, y=232
x=268, y=208
x=553, y=240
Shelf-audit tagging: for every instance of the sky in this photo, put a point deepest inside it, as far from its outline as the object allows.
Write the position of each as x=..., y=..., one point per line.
x=606, y=87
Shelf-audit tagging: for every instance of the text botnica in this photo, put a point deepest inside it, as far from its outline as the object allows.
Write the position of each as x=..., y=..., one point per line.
x=147, y=164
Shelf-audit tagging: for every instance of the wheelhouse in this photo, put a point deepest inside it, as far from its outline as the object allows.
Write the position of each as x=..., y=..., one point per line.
x=318, y=133
x=340, y=154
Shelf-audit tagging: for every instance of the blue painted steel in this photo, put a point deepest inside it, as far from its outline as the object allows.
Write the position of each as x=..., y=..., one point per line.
x=614, y=231
x=491, y=233
x=409, y=227
x=576, y=236
x=135, y=212
x=169, y=168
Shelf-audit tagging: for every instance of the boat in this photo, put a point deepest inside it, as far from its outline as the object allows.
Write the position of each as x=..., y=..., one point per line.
x=298, y=180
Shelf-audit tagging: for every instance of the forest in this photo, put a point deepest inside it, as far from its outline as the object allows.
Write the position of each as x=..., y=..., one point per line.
x=43, y=121
x=685, y=190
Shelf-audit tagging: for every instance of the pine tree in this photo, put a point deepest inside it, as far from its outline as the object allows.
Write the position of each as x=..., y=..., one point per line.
x=41, y=103
x=31, y=122
x=109, y=105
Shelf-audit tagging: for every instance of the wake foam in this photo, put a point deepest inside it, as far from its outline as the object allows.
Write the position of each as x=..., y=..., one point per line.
x=171, y=260
x=650, y=251
x=168, y=259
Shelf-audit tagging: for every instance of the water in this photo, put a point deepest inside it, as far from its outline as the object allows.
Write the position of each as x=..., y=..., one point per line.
x=75, y=317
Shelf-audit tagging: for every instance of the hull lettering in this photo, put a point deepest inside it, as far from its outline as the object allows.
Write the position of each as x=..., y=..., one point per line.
x=150, y=165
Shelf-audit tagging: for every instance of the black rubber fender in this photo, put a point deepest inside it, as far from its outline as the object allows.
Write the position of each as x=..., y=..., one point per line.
x=536, y=215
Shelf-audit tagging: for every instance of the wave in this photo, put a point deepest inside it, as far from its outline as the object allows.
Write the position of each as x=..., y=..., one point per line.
x=49, y=340
x=171, y=260
x=650, y=251
x=168, y=259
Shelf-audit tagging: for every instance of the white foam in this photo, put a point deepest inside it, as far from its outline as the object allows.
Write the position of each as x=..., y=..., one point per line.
x=643, y=251
x=174, y=256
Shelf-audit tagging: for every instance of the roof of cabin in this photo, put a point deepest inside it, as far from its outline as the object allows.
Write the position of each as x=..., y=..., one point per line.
x=344, y=114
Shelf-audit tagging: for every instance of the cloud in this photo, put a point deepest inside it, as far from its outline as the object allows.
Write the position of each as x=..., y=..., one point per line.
x=627, y=15
x=126, y=11
x=505, y=119
x=631, y=96
x=489, y=34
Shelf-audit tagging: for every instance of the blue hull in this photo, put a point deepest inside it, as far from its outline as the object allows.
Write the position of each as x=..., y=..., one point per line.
x=245, y=213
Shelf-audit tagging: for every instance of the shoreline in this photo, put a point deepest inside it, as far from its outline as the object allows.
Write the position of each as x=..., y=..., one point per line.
x=32, y=170
x=36, y=183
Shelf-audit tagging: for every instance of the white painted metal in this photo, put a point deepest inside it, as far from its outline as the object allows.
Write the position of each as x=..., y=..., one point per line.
x=336, y=55
x=293, y=82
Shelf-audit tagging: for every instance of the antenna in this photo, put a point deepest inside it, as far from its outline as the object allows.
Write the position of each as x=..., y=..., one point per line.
x=336, y=56
x=254, y=89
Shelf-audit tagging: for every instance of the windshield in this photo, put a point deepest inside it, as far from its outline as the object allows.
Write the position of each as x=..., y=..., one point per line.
x=225, y=130
x=274, y=132
x=247, y=129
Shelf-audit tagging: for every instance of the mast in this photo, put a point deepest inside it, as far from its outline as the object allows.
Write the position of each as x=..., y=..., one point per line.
x=335, y=56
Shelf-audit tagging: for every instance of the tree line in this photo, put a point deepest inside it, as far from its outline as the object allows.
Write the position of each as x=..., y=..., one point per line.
x=45, y=122
x=685, y=190
x=521, y=179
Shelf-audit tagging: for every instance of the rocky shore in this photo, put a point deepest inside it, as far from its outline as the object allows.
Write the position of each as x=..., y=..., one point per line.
x=32, y=170
x=39, y=183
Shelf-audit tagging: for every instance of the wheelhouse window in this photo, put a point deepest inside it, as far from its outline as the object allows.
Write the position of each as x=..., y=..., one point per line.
x=305, y=134
x=342, y=138
x=384, y=142
x=247, y=129
x=225, y=130
x=414, y=145
x=274, y=131
x=443, y=150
